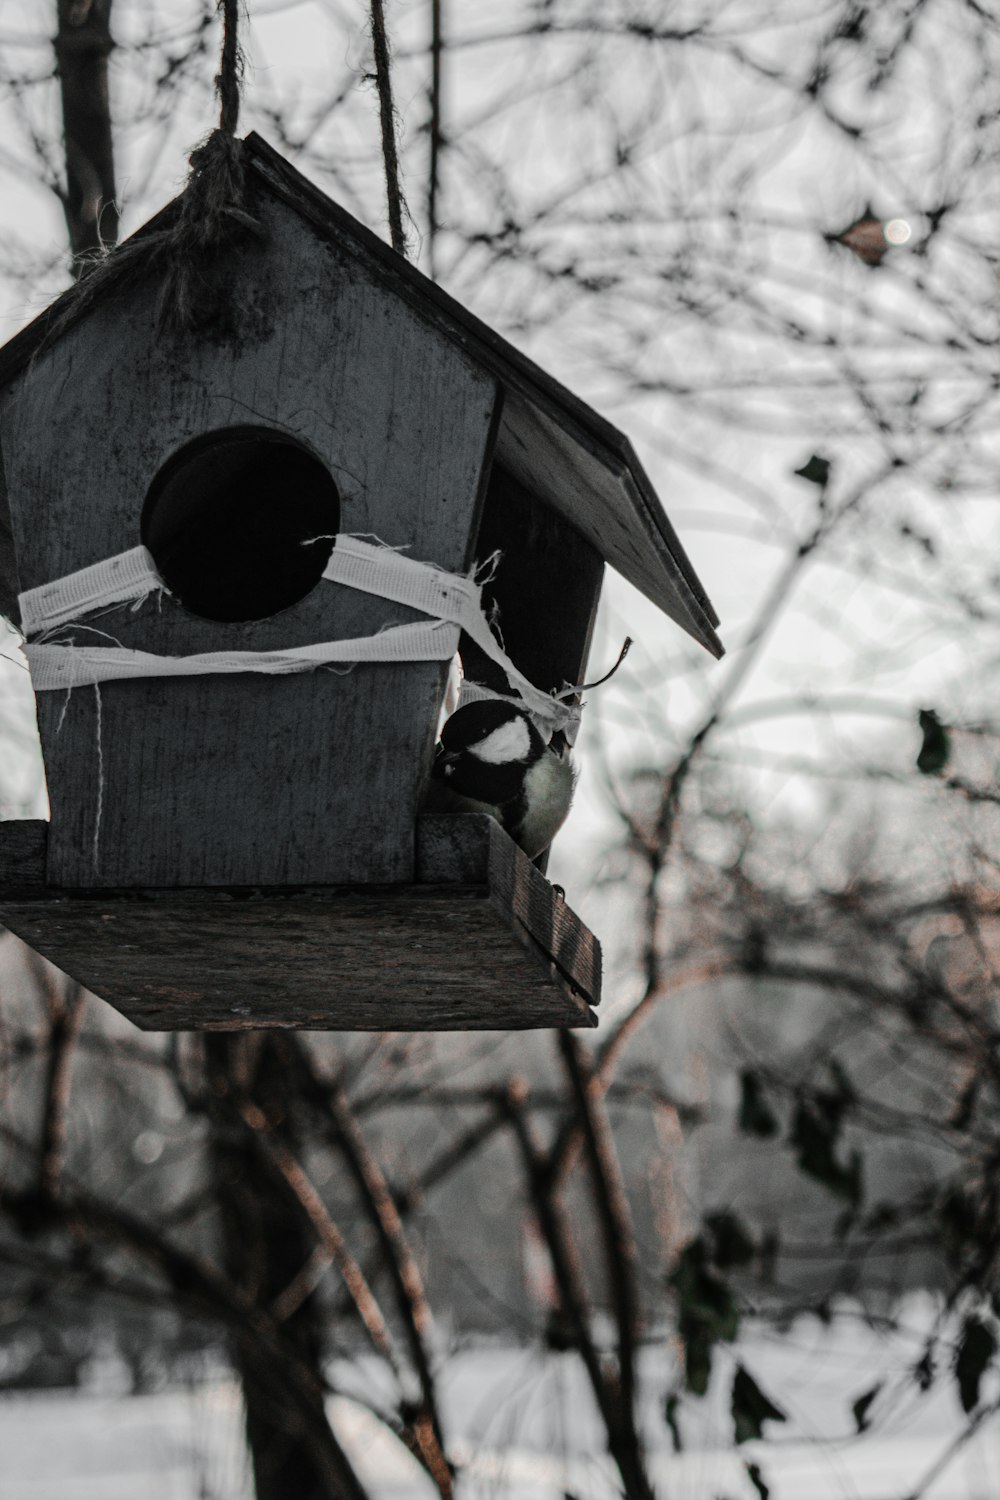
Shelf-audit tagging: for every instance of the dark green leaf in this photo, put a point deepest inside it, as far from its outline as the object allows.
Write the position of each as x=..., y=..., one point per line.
x=814, y=1134
x=751, y=1408
x=731, y=1243
x=670, y=1413
x=816, y=470
x=756, y=1478
x=707, y=1313
x=976, y=1348
x=756, y=1115
x=960, y=1227
x=935, y=746
x=923, y=1370
x=697, y=1357
x=861, y=1407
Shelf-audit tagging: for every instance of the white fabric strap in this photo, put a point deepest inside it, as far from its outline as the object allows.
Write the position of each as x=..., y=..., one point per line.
x=70, y=666
x=129, y=575
x=380, y=570
x=390, y=575
x=454, y=602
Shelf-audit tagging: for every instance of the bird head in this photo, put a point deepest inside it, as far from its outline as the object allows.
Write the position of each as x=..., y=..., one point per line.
x=486, y=747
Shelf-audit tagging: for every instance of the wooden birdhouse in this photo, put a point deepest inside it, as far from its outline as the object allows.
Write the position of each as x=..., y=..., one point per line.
x=242, y=561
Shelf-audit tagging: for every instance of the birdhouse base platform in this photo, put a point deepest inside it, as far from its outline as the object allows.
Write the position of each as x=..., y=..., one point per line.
x=479, y=941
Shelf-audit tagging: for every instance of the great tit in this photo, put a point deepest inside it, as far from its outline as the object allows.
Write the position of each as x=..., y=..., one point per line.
x=492, y=759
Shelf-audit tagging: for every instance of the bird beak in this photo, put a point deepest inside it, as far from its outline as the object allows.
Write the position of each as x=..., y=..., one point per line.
x=444, y=761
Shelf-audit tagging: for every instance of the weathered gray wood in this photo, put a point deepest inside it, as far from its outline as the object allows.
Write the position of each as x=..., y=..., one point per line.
x=546, y=589
x=473, y=848
x=612, y=503
x=503, y=951
x=247, y=780
x=454, y=849
x=540, y=917
x=22, y=855
x=9, y=584
x=556, y=444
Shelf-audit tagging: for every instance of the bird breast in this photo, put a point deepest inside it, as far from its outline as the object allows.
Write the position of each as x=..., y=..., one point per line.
x=548, y=788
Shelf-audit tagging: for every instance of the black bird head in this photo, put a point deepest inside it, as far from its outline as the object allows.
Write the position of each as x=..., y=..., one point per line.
x=486, y=749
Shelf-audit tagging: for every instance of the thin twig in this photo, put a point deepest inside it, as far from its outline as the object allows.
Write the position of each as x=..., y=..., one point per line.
x=333, y=1243
x=411, y=1299
x=612, y=1209
x=436, y=140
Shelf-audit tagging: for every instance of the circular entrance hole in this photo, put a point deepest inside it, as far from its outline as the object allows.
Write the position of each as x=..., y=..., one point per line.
x=230, y=520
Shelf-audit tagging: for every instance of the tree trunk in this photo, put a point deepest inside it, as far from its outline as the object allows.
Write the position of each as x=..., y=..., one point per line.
x=266, y=1242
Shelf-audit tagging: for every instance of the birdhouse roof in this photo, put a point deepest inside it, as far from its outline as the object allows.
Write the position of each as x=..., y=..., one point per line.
x=554, y=443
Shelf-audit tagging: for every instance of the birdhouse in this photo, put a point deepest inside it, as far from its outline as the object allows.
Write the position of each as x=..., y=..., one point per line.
x=242, y=560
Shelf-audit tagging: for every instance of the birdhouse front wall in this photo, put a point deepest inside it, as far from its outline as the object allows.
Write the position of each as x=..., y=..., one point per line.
x=246, y=780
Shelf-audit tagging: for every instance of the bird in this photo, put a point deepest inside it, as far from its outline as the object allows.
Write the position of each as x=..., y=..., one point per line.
x=491, y=758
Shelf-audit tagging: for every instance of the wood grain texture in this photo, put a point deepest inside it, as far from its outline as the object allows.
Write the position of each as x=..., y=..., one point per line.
x=10, y=585
x=544, y=424
x=540, y=917
x=472, y=848
x=500, y=952
x=22, y=855
x=308, y=779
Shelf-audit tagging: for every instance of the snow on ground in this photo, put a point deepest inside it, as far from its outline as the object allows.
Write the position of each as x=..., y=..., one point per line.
x=523, y=1427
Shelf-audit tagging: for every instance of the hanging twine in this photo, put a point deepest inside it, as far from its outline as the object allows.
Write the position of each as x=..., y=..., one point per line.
x=229, y=79
x=212, y=215
x=387, y=117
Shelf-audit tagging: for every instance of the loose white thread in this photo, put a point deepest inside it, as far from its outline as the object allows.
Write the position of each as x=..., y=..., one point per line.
x=62, y=716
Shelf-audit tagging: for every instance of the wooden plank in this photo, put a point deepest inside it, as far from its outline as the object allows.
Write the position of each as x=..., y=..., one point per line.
x=310, y=779
x=472, y=848
x=22, y=855
x=542, y=919
x=420, y=959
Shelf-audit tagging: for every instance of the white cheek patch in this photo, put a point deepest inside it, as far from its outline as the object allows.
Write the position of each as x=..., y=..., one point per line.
x=510, y=742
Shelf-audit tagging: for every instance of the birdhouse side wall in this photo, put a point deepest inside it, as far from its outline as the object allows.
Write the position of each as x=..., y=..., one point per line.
x=246, y=780
x=545, y=590
x=9, y=585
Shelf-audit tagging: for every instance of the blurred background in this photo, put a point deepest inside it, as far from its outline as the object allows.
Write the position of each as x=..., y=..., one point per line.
x=743, y=1240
